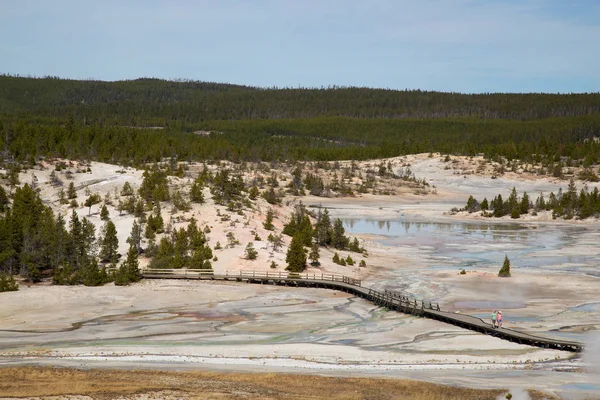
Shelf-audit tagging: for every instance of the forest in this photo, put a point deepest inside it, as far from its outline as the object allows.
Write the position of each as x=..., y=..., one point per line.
x=145, y=120
x=185, y=104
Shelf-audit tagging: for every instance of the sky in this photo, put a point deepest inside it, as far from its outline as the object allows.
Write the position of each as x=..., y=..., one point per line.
x=470, y=46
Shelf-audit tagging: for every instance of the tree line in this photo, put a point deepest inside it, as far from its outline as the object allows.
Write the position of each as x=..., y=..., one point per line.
x=320, y=139
x=569, y=204
x=155, y=102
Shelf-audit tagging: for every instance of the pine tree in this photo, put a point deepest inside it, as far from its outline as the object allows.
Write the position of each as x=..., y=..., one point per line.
x=104, y=216
x=505, y=270
x=196, y=194
x=109, y=243
x=336, y=258
x=323, y=228
x=338, y=235
x=484, y=204
x=91, y=275
x=181, y=248
x=71, y=192
x=524, y=205
x=314, y=255
x=296, y=255
x=129, y=270
x=498, y=207
x=268, y=224
x=3, y=200
x=135, y=237
x=92, y=200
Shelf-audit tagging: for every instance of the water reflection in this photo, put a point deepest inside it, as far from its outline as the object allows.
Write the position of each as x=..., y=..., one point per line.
x=400, y=227
x=443, y=245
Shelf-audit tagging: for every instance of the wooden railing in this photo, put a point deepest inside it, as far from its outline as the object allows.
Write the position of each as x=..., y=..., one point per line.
x=207, y=273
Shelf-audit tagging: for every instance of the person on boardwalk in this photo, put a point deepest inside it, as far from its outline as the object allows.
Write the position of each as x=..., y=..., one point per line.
x=499, y=319
x=494, y=316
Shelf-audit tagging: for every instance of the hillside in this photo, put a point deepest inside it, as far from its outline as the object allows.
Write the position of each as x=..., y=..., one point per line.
x=144, y=101
x=198, y=121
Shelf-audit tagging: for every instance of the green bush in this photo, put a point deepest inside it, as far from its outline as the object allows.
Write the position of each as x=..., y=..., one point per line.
x=7, y=283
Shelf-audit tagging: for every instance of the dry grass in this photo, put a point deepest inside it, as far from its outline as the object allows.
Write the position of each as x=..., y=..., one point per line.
x=39, y=382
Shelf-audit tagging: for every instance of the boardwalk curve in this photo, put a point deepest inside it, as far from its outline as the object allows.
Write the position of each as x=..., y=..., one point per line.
x=388, y=299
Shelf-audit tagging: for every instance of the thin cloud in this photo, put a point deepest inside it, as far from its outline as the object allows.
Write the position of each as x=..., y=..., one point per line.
x=458, y=45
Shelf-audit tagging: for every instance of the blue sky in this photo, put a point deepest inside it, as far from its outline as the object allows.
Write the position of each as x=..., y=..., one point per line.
x=448, y=45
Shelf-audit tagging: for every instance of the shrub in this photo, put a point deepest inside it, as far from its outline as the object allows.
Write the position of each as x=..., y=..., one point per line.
x=7, y=283
x=250, y=253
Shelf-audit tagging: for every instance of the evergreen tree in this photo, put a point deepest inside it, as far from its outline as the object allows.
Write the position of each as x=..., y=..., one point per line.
x=484, y=204
x=323, y=229
x=109, y=243
x=472, y=205
x=135, y=237
x=498, y=207
x=505, y=270
x=91, y=274
x=524, y=205
x=104, y=216
x=268, y=224
x=338, y=235
x=300, y=225
x=513, y=204
x=181, y=246
x=3, y=200
x=314, y=255
x=336, y=258
x=296, y=255
x=127, y=190
x=196, y=194
x=129, y=270
x=71, y=192
x=92, y=200
x=164, y=255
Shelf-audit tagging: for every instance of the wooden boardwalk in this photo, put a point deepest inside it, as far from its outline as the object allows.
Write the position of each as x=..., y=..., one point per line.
x=390, y=300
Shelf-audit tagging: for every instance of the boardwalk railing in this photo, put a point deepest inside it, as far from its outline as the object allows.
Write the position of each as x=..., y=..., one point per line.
x=268, y=275
x=389, y=299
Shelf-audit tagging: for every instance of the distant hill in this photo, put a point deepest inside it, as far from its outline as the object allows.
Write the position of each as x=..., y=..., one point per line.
x=146, y=102
x=102, y=120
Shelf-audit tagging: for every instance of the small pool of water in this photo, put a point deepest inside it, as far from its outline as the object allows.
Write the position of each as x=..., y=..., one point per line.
x=587, y=307
x=588, y=387
x=469, y=245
